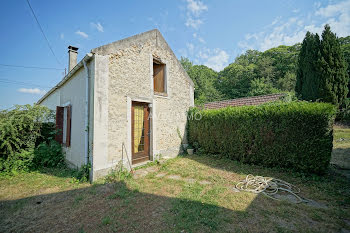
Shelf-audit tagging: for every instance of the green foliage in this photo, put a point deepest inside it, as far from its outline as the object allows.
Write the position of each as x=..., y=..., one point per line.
x=204, y=80
x=284, y=62
x=83, y=173
x=26, y=139
x=186, y=64
x=48, y=154
x=19, y=161
x=257, y=73
x=290, y=135
x=308, y=74
x=117, y=174
x=20, y=128
x=346, y=51
x=343, y=114
x=234, y=81
x=322, y=71
x=334, y=88
x=261, y=86
x=106, y=220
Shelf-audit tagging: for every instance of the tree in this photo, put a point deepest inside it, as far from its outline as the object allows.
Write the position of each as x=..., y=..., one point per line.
x=308, y=73
x=250, y=57
x=204, y=80
x=334, y=77
x=284, y=62
x=234, y=81
x=186, y=64
x=261, y=86
x=345, y=47
x=287, y=82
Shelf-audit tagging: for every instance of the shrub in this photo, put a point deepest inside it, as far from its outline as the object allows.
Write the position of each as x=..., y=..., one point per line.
x=48, y=154
x=83, y=174
x=296, y=135
x=21, y=129
x=19, y=161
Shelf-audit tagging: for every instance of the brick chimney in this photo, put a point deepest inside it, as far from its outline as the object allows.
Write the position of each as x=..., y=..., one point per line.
x=73, y=54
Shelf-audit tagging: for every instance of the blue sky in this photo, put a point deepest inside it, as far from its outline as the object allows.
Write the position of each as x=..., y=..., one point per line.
x=208, y=32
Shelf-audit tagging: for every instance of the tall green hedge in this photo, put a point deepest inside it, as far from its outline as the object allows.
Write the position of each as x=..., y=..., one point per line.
x=295, y=135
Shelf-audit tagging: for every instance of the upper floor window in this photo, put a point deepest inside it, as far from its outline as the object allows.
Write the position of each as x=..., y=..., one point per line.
x=159, y=77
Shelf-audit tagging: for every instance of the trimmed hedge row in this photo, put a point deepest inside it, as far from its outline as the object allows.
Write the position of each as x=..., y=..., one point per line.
x=296, y=135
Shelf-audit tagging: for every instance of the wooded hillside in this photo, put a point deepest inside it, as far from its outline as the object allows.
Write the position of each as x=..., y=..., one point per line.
x=252, y=73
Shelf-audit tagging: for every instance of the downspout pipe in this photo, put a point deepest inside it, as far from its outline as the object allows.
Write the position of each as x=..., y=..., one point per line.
x=87, y=105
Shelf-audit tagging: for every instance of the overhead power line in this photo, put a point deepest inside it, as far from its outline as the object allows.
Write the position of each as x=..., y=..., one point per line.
x=31, y=67
x=8, y=81
x=42, y=31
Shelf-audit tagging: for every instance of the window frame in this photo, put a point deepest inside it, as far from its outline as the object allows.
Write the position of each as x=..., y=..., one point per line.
x=156, y=60
x=66, y=136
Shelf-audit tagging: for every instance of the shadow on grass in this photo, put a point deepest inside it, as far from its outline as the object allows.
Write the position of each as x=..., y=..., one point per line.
x=341, y=157
x=122, y=207
x=114, y=207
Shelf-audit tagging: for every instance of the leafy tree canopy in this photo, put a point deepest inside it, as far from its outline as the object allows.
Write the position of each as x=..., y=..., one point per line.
x=259, y=73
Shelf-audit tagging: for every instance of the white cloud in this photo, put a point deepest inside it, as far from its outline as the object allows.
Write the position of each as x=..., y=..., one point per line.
x=36, y=91
x=62, y=36
x=98, y=26
x=190, y=47
x=217, y=60
x=196, y=7
x=83, y=34
x=200, y=39
x=334, y=9
x=194, y=10
x=338, y=17
x=276, y=20
x=292, y=30
x=317, y=4
x=194, y=23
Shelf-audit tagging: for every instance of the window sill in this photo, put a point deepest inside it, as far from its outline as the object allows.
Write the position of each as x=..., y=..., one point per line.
x=161, y=94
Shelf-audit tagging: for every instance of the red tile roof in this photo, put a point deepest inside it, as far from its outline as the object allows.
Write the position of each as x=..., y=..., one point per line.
x=254, y=100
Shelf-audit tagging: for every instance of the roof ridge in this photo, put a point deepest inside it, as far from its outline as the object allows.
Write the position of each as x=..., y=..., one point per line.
x=251, y=100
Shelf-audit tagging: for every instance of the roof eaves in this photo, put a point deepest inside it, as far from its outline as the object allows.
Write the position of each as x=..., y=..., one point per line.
x=67, y=77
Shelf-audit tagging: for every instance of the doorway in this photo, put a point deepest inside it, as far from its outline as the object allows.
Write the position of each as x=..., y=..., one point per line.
x=140, y=132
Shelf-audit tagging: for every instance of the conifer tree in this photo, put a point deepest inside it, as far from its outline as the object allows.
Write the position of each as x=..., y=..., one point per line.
x=308, y=73
x=334, y=83
x=321, y=73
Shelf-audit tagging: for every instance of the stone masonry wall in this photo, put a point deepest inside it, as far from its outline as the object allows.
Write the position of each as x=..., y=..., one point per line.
x=130, y=78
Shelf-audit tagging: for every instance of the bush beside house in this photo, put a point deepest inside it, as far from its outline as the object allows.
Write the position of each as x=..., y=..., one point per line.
x=296, y=135
x=27, y=139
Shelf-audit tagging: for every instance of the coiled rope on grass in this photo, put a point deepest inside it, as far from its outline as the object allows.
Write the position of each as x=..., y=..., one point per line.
x=269, y=187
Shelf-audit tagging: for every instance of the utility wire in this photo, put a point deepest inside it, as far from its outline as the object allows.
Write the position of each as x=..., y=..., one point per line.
x=42, y=31
x=8, y=81
x=31, y=67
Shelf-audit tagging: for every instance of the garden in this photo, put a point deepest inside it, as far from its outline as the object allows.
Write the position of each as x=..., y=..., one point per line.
x=191, y=193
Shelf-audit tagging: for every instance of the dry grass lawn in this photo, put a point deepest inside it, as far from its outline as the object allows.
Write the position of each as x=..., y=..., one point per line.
x=186, y=194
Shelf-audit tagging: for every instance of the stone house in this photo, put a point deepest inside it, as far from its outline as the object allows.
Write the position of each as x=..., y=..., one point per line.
x=124, y=102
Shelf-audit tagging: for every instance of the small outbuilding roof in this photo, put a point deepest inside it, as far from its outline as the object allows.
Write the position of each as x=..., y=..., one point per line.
x=254, y=100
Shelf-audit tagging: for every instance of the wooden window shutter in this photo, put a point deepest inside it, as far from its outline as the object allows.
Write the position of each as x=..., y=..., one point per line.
x=158, y=77
x=59, y=124
x=69, y=125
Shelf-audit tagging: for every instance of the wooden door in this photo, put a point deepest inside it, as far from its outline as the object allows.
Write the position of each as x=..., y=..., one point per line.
x=140, y=129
